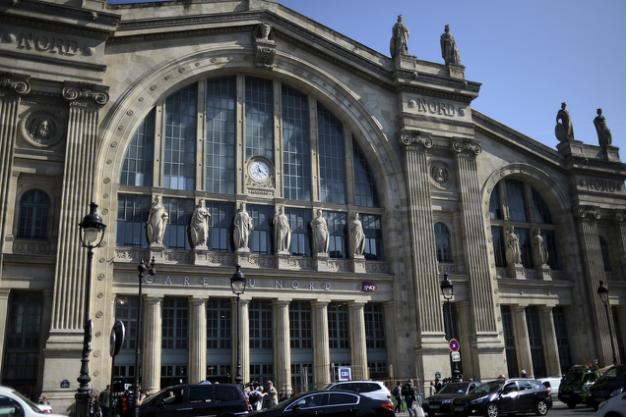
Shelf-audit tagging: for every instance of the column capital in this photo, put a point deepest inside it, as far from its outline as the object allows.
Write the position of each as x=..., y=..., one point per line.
x=85, y=94
x=153, y=299
x=279, y=302
x=587, y=213
x=465, y=146
x=620, y=216
x=357, y=305
x=18, y=84
x=197, y=300
x=319, y=303
x=4, y=292
x=416, y=139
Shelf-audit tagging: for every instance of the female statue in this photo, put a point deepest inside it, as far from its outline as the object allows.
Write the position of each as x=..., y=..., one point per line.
x=513, y=252
x=199, y=226
x=320, y=233
x=357, y=237
x=157, y=220
x=282, y=231
x=243, y=227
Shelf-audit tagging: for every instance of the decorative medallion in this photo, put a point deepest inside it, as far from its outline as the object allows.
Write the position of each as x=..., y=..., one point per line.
x=439, y=174
x=41, y=128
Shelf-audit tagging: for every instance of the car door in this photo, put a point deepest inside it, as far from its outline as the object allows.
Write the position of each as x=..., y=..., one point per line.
x=173, y=401
x=527, y=397
x=508, y=397
x=311, y=405
x=341, y=404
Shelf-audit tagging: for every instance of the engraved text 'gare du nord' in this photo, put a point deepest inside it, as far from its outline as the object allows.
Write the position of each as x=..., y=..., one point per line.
x=440, y=108
x=252, y=283
x=45, y=43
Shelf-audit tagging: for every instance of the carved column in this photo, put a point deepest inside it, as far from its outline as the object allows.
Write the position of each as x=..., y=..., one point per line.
x=548, y=338
x=321, y=350
x=282, y=349
x=11, y=89
x=197, y=351
x=358, y=344
x=476, y=257
x=4, y=313
x=522, y=340
x=152, y=330
x=620, y=219
x=587, y=218
x=244, y=331
x=431, y=349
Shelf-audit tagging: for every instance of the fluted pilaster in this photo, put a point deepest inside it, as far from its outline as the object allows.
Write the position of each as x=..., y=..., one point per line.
x=197, y=346
x=152, y=344
x=282, y=349
x=358, y=344
x=424, y=256
x=321, y=351
x=548, y=338
x=522, y=340
x=4, y=310
x=475, y=245
x=78, y=181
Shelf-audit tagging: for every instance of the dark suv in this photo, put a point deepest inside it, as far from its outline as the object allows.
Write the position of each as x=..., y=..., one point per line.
x=612, y=381
x=499, y=397
x=223, y=400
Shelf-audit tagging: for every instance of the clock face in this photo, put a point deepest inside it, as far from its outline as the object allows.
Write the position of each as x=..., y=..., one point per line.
x=259, y=170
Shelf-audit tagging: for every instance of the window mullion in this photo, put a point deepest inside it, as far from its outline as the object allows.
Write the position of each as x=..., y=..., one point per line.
x=315, y=181
x=278, y=160
x=240, y=153
x=200, y=134
x=159, y=149
x=349, y=165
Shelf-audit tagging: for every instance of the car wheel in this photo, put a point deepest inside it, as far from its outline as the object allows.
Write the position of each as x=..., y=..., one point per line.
x=492, y=410
x=542, y=408
x=571, y=405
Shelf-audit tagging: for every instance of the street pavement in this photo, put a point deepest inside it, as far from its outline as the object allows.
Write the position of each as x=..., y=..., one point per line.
x=558, y=410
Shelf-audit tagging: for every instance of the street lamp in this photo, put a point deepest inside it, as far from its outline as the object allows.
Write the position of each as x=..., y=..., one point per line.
x=91, y=235
x=447, y=290
x=143, y=269
x=603, y=293
x=238, y=286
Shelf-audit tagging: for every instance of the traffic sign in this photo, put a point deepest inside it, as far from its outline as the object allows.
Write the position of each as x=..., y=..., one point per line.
x=344, y=373
x=454, y=345
x=455, y=356
x=116, y=340
x=437, y=375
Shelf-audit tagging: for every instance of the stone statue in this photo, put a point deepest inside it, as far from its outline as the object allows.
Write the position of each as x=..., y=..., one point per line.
x=540, y=245
x=564, y=130
x=282, y=231
x=320, y=233
x=243, y=228
x=449, y=51
x=357, y=236
x=513, y=252
x=263, y=31
x=399, y=39
x=157, y=221
x=199, y=226
x=604, y=134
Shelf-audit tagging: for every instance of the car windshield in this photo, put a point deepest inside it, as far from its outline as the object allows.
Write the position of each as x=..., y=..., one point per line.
x=573, y=375
x=488, y=388
x=31, y=404
x=454, y=389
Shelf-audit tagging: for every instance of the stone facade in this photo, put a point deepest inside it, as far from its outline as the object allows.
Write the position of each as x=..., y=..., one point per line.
x=78, y=78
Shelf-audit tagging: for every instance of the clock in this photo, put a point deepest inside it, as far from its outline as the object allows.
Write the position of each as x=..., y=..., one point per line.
x=259, y=170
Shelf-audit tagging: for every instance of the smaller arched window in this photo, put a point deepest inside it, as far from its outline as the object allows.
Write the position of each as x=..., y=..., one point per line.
x=606, y=258
x=33, y=221
x=442, y=240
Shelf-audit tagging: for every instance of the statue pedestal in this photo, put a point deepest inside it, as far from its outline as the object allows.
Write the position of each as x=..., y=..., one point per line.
x=456, y=71
x=517, y=271
x=358, y=264
x=157, y=252
x=544, y=272
x=245, y=259
x=321, y=262
x=573, y=148
x=282, y=260
x=200, y=255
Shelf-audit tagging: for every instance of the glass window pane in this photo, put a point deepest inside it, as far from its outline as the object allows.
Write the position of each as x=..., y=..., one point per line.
x=126, y=310
x=525, y=246
x=442, y=240
x=259, y=114
x=540, y=208
x=562, y=339
x=219, y=169
x=337, y=233
x=373, y=231
x=179, y=165
x=261, y=237
x=495, y=209
x=509, y=341
x=220, y=232
x=33, y=220
x=331, y=157
x=364, y=186
x=179, y=211
x=338, y=334
x=300, y=325
x=137, y=168
x=536, y=343
x=132, y=213
x=260, y=316
x=516, y=200
x=606, y=257
x=218, y=323
x=549, y=239
x=497, y=236
x=174, y=323
x=296, y=146
x=299, y=221
x=374, y=326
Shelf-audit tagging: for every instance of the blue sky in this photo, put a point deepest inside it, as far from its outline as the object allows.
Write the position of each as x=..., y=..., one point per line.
x=530, y=55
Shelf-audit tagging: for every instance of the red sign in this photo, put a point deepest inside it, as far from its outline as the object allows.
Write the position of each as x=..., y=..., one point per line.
x=454, y=345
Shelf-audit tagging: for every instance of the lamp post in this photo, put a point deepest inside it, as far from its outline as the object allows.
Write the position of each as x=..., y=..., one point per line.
x=143, y=269
x=603, y=293
x=91, y=235
x=447, y=290
x=238, y=286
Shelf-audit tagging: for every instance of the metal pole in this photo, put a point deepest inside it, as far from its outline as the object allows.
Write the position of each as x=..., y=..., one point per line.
x=455, y=365
x=83, y=394
x=608, y=321
x=238, y=377
x=139, y=341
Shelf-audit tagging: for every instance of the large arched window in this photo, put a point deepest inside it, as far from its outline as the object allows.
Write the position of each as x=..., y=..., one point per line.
x=514, y=203
x=229, y=138
x=34, y=210
x=442, y=240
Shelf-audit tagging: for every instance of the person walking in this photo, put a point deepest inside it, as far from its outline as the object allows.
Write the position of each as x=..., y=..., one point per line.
x=408, y=392
x=271, y=395
x=105, y=401
x=397, y=395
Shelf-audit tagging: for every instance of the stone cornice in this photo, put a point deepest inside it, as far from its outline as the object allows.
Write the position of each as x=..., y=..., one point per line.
x=416, y=139
x=17, y=84
x=85, y=94
x=466, y=147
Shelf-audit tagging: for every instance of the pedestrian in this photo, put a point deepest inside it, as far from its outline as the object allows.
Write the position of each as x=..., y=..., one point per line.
x=105, y=401
x=271, y=395
x=523, y=373
x=408, y=392
x=397, y=395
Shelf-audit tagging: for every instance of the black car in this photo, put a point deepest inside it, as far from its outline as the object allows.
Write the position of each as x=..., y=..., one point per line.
x=505, y=397
x=223, y=400
x=330, y=404
x=441, y=402
x=612, y=380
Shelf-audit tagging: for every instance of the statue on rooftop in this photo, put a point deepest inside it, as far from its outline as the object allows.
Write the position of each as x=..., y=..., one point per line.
x=604, y=134
x=564, y=130
x=449, y=51
x=399, y=39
